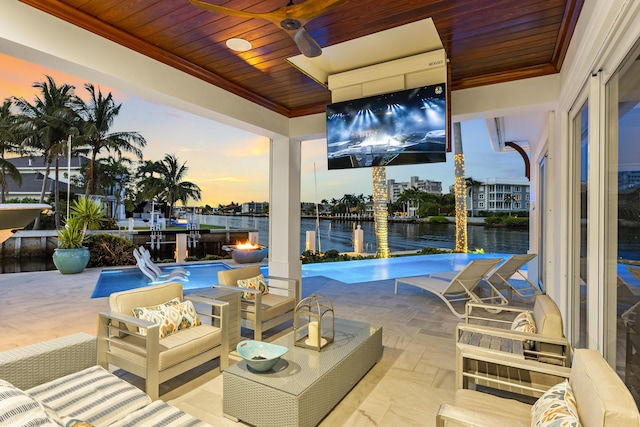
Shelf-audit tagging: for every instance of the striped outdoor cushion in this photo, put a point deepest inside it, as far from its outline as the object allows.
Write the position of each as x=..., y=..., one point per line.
x=160, y=413
x=17, y=408
x=93, y=395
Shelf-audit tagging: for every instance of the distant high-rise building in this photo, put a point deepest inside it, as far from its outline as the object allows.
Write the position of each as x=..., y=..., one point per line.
x=394, y=189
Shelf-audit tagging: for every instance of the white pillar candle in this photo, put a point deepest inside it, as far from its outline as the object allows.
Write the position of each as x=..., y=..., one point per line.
x=313, y=333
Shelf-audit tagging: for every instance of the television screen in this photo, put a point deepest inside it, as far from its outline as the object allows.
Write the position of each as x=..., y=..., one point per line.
x=397, y=128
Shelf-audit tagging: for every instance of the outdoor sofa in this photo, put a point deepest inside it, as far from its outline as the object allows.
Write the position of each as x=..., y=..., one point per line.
x=57, y=383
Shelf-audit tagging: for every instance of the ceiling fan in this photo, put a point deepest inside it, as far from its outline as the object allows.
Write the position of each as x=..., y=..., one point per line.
x=290, y=18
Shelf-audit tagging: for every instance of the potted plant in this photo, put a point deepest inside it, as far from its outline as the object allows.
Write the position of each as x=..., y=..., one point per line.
x=85, y=213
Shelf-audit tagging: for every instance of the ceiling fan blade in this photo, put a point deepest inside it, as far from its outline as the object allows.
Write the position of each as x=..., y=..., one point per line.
x=274, y=16
x=307, y=45
x=310, y=8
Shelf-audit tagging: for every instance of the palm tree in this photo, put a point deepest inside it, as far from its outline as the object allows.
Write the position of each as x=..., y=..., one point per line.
x=165, y=180
x=7, y=145
x=98, y=116
x=472, y=186
x=411, y=196
x=460, y=190
x=114, y=173
x=508, y=200
x=46, y=124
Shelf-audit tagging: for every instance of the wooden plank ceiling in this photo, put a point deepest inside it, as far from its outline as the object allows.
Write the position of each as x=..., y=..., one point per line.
x=487, y=41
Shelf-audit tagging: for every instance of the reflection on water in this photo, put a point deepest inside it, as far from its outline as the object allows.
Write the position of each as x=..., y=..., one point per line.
x=338, y=235
x=402, y=236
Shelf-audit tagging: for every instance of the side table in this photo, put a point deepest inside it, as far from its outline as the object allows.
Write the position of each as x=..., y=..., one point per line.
x=233, y=298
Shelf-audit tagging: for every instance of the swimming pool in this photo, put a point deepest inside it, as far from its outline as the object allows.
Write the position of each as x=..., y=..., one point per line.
x=368, y=270
x=116, y=280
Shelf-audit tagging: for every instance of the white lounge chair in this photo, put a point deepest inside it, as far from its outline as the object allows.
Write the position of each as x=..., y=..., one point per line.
x=154, y=267
x=500, y=277
x=173, y=276
x=459, y=288
x=629, y=294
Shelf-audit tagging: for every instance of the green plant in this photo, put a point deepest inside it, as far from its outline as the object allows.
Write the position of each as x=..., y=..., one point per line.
x=438, y=220
x=85, y=213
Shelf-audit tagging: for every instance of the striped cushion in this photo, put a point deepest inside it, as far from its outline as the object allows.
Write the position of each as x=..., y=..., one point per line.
x=93, y=395
x=19, y=409
x=160, y=413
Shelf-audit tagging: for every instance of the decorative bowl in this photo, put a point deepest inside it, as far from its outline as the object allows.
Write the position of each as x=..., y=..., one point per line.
x=260, y=356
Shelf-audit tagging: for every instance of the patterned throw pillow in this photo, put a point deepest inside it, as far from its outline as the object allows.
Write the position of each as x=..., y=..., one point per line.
x=524, y=323
x=17, y=408
x=556, y=408
x=257, y=283
x=172, y=316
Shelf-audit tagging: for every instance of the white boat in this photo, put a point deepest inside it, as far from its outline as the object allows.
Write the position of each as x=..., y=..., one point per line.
x=14, y=216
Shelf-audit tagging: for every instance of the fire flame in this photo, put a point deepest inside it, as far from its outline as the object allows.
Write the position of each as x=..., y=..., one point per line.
x=247, y=245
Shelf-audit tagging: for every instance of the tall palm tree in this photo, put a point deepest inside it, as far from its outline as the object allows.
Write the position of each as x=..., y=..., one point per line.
x=410, y=196
x=472, y=186
x=7, y=145
x=44, y=125
x=460, y=190
x=165, y=180
x=508, y=200
x=114, y=177
x=98, y=115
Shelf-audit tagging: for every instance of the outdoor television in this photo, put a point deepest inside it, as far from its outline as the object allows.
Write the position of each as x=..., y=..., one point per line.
x=398, y=128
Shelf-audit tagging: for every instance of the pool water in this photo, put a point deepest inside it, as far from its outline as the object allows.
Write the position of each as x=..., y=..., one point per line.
x=116, y=280
x=368, y=270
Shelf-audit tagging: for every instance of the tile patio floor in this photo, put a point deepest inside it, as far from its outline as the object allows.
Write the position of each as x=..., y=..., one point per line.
x=415, y=375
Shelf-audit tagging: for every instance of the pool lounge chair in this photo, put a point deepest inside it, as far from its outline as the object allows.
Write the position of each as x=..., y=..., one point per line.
x=173, y=276
x=627, y=293
x=461, y=287
x=154, y=267
x=501, y=276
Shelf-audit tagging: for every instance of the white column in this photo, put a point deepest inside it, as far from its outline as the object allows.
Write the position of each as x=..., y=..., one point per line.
x=284, y=208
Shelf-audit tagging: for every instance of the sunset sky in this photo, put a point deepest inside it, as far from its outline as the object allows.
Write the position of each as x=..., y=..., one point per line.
x=230, y=164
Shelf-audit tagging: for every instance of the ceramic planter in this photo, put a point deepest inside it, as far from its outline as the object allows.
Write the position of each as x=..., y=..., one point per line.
x=71, y=261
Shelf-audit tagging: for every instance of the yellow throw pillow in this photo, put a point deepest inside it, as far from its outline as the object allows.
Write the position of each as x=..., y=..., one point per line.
x=257, y=283
x=172, y=316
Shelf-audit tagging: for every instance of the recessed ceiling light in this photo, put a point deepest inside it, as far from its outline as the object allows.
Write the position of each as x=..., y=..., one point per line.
x=239, y=45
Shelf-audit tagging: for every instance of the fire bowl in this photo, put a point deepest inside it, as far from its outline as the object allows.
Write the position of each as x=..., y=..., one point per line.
x=247, y=256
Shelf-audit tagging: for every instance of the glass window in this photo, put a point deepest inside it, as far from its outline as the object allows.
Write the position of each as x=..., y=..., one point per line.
x=581, y=138
x=623, y=91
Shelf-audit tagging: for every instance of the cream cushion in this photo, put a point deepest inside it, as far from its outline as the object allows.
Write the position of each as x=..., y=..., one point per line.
x=602, y=398
x=547, y=317
x=272, y=306
x=518, y=413
x=548, y=322
x=231, y=277
x=176, y=347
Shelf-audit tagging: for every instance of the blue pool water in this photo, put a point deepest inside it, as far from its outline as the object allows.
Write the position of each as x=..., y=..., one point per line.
x=349, y=272
x=115, y=280
x=205, y=275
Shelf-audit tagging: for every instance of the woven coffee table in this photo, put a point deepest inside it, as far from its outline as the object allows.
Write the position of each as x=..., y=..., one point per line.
x=305, y=384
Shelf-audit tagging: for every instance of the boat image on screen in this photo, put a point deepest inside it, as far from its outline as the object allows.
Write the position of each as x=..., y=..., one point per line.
x=397, y=128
